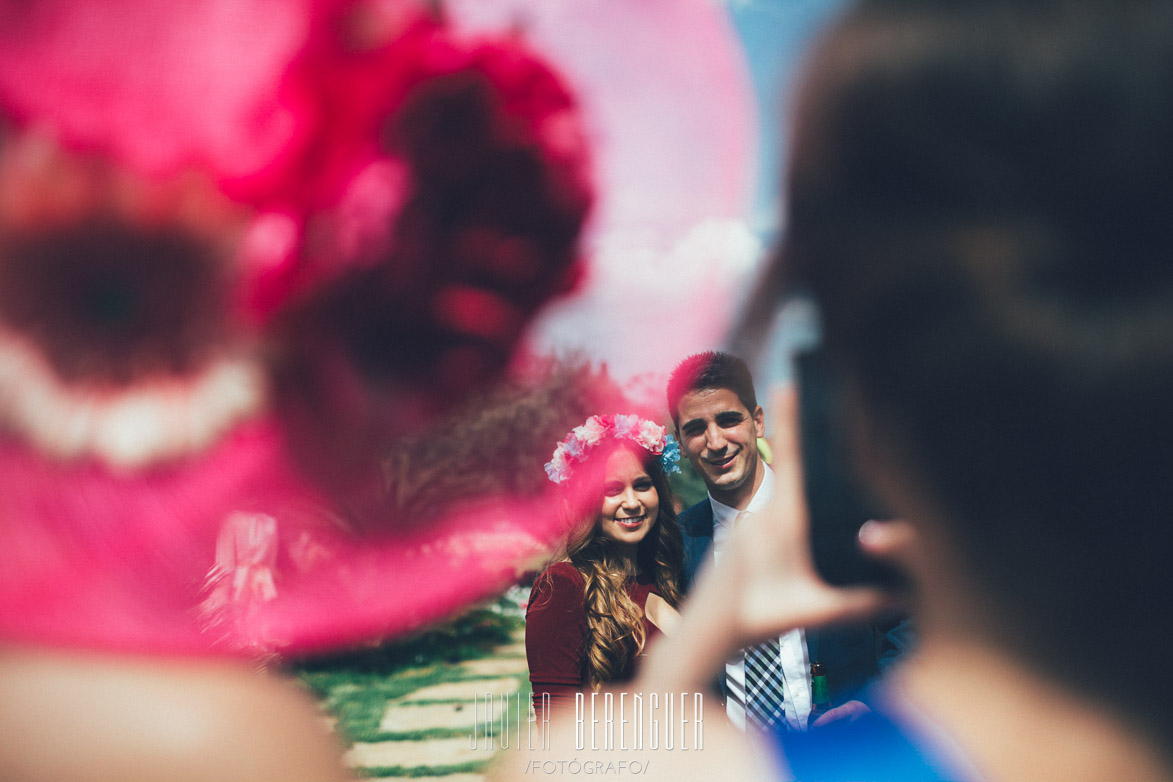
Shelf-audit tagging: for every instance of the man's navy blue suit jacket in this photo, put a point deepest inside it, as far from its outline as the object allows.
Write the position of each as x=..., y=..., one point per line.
x=852, y=655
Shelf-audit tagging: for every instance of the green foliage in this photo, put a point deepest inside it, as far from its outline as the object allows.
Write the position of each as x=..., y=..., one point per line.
x=687, y=485
x=359, y=696
x=422, y=771
x=356, y=685
x=468, y=636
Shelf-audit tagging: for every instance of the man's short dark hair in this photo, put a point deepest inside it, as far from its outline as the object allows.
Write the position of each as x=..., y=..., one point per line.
x=711, y=369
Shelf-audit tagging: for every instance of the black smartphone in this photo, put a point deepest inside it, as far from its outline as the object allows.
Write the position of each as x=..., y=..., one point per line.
x=838, y=503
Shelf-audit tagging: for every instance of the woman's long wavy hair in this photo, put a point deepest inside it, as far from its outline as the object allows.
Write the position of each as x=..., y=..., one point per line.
x=615, y=627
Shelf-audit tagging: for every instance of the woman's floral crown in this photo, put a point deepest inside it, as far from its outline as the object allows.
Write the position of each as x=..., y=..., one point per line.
x=647, y=434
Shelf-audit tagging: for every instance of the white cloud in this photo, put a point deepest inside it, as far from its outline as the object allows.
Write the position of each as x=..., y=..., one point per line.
x=644, y=307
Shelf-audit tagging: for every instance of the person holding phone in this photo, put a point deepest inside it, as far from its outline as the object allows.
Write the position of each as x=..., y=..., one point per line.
x=719, y=423
x=979, y=202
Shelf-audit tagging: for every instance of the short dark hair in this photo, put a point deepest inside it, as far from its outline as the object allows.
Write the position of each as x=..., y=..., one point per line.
x=978, y=200
x=711, y=369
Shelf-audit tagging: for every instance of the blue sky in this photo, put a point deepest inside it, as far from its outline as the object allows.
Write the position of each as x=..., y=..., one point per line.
x=775, y=34
x=675, y=245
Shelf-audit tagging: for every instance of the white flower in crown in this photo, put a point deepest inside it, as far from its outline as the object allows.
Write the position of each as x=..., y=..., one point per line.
x=558, y=469
x=592, y=431
x=627, y=426
x=651, y=436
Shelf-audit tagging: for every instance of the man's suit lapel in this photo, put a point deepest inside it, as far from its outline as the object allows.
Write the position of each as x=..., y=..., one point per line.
x=699, y=538
x=698, y=548
x=705, y=552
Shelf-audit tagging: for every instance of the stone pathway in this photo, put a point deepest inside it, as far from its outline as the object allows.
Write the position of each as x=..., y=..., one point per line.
x=449, y=705
x=432, y=752
x=463, y=691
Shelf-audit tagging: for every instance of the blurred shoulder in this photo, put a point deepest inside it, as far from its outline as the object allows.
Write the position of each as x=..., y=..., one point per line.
x=120, y=713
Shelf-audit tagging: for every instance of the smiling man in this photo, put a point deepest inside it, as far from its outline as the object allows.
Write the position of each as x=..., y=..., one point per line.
x=718, y=422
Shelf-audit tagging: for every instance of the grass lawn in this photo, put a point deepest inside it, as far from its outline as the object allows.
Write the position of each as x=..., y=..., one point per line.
x=356, y=687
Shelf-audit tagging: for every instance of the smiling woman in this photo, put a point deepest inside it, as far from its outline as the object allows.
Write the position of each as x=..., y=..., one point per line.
x=613, y=587
x=630, y=502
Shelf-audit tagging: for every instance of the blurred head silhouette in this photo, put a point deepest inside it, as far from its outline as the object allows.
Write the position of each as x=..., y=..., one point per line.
x=978, y=200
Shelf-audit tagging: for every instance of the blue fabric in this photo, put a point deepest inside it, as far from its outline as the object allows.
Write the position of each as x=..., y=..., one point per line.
x=870, y=749
x=696, y=523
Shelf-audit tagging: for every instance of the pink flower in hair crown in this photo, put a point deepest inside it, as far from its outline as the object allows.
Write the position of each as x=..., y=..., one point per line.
x=576, y=448
x=591, y=432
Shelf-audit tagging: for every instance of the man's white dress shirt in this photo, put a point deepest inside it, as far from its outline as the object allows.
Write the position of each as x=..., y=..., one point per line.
x=795, y=660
